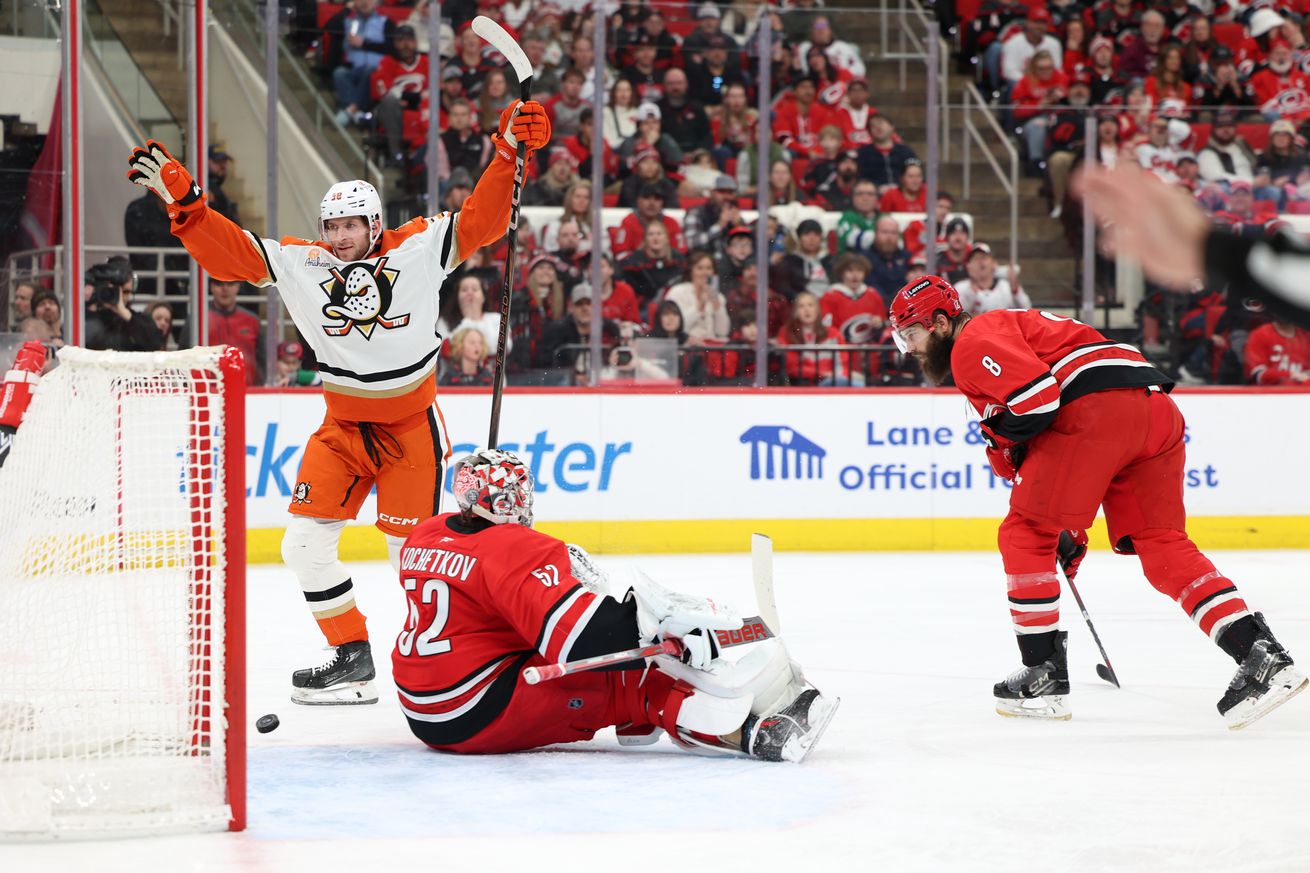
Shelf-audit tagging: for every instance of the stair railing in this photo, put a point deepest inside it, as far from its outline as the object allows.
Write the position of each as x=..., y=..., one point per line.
x=914, y=26
x=973, y=106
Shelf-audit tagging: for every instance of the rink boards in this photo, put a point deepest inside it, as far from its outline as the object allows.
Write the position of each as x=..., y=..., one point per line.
x=699, y=471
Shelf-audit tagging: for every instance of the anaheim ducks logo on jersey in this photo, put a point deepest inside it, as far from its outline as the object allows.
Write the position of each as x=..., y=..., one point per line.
x=359, y=296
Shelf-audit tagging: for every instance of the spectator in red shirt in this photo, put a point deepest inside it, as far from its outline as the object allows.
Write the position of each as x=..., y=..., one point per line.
x=910, y=195
x=618, y=299
x=1278, y=88
x=798, y=118
x=398, y=85
x=916, y=231
x=1242, y=208
x=853, y=308
x=1035, y=96
x=649, y=207
x=1168, y=82
x=231, y=325
x=806, y=328
x=830, y=80
x=853, y=115
x=1278, y=353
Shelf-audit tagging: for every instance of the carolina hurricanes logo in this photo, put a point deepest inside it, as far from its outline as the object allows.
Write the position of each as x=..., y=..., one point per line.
x=859, y=330
x=359, y=296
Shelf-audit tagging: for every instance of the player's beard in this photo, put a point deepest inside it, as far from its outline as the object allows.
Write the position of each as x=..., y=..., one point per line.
x=936, y=359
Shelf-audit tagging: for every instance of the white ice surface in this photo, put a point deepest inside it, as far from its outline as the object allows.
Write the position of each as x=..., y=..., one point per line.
x=915, y=773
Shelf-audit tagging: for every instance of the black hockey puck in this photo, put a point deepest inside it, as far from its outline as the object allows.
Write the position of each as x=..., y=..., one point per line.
x=267, y=723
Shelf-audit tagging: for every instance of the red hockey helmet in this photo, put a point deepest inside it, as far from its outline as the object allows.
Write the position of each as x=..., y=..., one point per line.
x=919, y=302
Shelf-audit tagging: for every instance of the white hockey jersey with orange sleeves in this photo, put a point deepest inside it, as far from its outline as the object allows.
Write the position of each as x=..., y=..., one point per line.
x=371, y=323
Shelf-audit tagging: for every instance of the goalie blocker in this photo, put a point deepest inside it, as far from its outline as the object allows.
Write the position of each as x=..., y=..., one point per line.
x=490, y=597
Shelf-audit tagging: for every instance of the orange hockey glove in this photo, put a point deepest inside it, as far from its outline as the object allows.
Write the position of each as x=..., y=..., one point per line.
x=527, y=123
x=154, y=168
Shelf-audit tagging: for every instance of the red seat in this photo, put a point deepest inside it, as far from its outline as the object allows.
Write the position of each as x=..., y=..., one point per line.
x=1298, y=207
x=799, y=167
x=679, y=29
x=1200, y=136
x=1256, y=135
x=1229, y=33
x=693, y=202
x=609, y=199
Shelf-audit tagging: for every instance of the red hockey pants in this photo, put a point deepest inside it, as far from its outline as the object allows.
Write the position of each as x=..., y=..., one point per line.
x=1122, y=450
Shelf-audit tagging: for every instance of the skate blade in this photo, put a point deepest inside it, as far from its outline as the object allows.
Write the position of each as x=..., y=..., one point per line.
x=1290, y=688
x=1049, y=708
x=816, y=732
x=345, y=694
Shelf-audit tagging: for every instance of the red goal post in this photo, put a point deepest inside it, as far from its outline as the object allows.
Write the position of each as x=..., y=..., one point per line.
x=122, y=599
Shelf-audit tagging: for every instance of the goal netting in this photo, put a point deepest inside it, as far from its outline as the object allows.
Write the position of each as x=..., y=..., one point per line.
x=121, y=566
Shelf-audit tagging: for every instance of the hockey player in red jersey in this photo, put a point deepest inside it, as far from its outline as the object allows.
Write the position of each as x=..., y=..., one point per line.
x=1077, y=422
x=489, y=597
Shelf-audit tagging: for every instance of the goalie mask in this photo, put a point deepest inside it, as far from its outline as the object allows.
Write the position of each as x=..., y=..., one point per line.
x=494, y=485
x=346, y=199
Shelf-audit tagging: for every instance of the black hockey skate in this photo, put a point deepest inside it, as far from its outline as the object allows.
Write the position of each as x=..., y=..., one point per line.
x=1039, y=691
x=792, y=732
x=1265, y=680
x=347, y=678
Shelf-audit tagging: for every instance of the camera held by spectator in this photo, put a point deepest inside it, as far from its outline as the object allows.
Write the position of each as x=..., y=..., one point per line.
x=110, y=324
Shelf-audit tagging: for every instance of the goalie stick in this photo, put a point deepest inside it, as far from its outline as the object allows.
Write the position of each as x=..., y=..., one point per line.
x=753, y=629
x=502, y=42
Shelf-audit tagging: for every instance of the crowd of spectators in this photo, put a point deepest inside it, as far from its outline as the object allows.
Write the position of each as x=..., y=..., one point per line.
x=1211, y=97
x=678, y=126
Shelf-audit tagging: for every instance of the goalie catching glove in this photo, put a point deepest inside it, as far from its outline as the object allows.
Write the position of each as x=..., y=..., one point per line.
x=154, y=168
x=664, y=614
x=527, y=123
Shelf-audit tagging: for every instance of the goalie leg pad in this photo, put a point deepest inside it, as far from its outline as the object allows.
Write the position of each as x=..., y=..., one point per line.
x=766, y=675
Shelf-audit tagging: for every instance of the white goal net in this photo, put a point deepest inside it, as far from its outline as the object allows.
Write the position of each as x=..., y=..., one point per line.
x=115, y=597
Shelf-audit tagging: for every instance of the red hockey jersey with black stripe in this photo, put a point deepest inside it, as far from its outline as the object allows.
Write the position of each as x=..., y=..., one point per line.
x=483, y=604
x=1019, y=366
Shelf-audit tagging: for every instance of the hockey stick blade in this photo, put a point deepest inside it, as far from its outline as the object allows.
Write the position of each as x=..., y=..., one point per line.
x=1107, y=674
x=502, y=42
x=762, y=576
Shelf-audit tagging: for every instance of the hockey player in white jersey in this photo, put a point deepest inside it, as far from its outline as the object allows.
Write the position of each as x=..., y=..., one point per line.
x=365, y=300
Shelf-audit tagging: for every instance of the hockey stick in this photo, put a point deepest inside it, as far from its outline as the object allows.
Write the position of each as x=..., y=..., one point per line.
x=753, y=629
x=762, y=574
x=533, y=675
x=1105, y=671
x=502, y=42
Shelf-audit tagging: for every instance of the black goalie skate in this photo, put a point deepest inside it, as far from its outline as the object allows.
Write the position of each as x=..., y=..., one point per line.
x=792, y=732
x=1265, y=680
x=1038, y=691
x=347, y=678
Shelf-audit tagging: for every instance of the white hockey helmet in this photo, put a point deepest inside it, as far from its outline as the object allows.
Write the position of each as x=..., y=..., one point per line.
x=355, y=197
